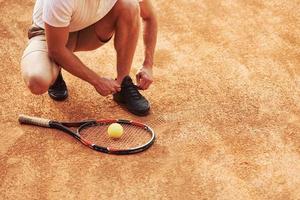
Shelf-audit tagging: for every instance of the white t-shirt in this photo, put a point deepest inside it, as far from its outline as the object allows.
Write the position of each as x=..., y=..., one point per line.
x=77, y=14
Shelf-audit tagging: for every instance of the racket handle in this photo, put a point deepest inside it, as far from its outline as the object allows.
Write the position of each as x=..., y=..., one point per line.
x=25, y=119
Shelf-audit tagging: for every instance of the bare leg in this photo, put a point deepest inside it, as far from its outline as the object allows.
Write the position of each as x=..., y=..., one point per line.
x=126, y=36
x=39, y=72
x=123, y=20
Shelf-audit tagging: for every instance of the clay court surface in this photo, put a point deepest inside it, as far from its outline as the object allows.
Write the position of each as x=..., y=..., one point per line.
x=225, y=107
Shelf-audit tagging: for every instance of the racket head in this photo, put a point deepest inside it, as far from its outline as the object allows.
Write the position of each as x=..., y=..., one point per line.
x=136, y=137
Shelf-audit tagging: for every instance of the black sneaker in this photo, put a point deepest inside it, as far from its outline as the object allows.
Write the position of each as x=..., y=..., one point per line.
x=58, y=91
x=131, y=98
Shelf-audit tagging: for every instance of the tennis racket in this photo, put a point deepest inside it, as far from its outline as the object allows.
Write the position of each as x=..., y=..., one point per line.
x=136, y=138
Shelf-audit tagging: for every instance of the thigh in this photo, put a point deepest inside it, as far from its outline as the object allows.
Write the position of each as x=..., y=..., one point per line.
x=97, y=34
x=36, y=63
x=87, y=39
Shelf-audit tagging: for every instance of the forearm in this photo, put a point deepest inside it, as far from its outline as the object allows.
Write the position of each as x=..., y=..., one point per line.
x=71, y=63
x=150, y=38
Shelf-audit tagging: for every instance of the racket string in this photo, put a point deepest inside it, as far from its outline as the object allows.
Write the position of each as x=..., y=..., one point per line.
x=132, y=137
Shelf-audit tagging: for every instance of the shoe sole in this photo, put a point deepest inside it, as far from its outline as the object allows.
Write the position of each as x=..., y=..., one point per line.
x=58, y=98
x=145, y=113
x=123, y=104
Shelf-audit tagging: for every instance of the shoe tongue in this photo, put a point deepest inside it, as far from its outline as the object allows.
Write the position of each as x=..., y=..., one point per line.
x=127, y=81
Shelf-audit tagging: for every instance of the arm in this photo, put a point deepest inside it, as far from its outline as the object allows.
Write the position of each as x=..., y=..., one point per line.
x=145, y=75
x=150, y=31
x=57, y=39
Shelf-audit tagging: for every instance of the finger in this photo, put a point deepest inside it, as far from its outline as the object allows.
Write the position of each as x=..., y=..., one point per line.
x=117, y=87
x=104, y=94
x=149, y=82
x=143, y=83
x=110, y=91
x=113, y=86
x=113, y=90
x=147, y=85
x=138, y=78
x=115, y=83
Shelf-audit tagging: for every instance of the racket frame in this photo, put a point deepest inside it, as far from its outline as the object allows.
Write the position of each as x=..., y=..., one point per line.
x=65, y=127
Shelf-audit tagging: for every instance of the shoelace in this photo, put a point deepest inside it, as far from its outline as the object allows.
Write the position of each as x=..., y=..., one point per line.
x=133, y=91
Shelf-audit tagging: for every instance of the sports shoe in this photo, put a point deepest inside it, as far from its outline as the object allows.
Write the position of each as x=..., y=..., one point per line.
x=58, y=91
x=131, y=98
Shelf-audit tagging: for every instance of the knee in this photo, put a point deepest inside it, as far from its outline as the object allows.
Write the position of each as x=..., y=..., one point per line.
x=37, y=84
x=129, y=10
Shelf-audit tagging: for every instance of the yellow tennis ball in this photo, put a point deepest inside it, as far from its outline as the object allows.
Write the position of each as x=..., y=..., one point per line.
x=115, y=130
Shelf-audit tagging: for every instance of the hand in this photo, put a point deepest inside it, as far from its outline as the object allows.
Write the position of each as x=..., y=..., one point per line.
x=144, y=77
x=107, y=86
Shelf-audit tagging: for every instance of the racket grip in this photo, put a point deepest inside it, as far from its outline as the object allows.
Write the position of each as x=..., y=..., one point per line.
x=25, y=119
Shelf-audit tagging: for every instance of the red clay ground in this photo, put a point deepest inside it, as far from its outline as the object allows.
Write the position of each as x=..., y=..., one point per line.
x=227, y=86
